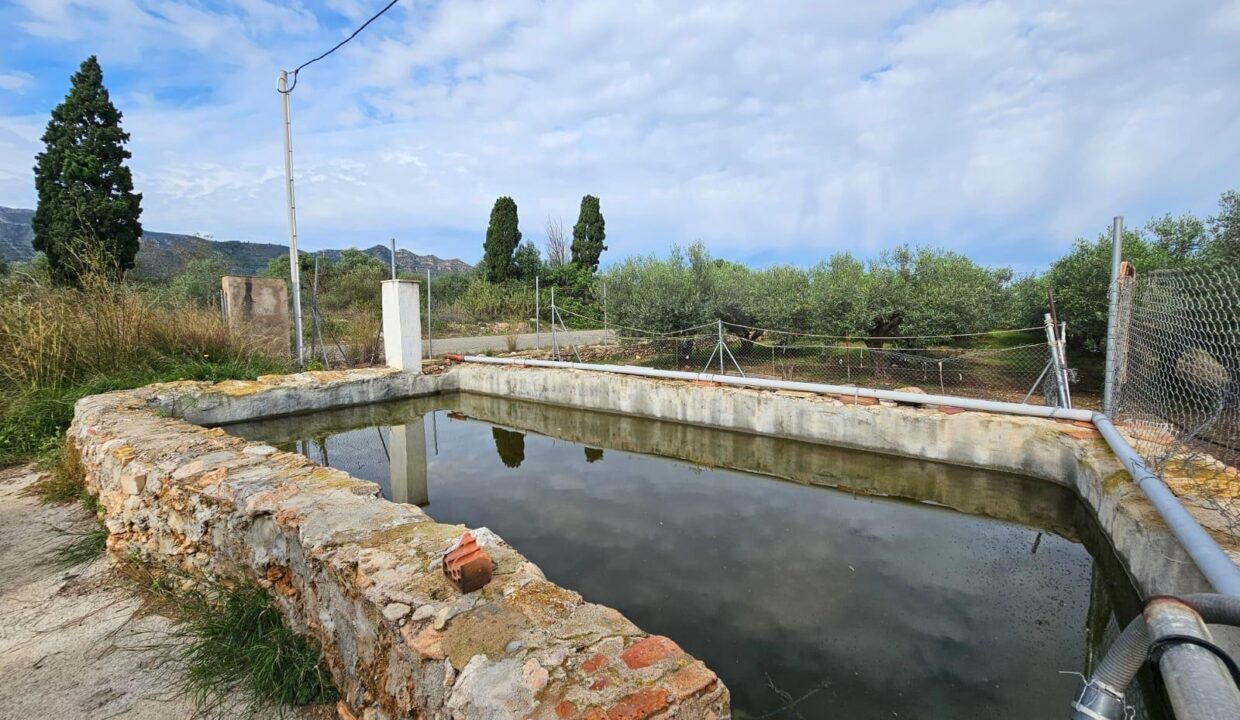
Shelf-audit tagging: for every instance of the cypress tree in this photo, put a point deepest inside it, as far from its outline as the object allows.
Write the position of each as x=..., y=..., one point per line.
x=87, y=216
x=503, y=236
x=588, y=235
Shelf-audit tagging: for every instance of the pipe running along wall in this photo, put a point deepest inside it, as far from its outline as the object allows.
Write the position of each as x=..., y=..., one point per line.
x=1213, y=562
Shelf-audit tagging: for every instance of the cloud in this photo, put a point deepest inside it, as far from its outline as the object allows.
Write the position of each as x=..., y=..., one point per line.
x=1003, y=129
x=14, y=81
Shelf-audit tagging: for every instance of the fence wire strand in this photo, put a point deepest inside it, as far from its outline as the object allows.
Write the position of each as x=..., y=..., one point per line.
x=1177, y=381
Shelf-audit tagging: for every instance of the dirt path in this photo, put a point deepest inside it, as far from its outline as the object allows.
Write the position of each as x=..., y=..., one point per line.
x=74, y=643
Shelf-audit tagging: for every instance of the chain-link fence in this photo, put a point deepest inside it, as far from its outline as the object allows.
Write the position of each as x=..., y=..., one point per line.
x=1012, y=365
x=1177, y=380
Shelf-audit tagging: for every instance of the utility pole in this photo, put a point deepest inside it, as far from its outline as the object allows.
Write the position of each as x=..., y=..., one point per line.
x=294, y=263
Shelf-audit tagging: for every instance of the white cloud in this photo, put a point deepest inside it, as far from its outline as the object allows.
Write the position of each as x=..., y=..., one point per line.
x=15, y=81
x=1000, y=128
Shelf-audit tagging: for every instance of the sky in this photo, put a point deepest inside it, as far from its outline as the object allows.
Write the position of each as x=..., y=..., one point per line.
x=776, y=132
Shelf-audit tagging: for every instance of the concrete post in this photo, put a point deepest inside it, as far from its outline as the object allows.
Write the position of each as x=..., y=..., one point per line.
x=408, y=463
x=402, y=325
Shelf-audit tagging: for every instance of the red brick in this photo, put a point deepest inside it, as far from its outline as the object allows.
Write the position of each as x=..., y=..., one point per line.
x=600, y=683
x=856, y=400
x=704, y=383
x=594, y=663
x=950, y=409
x=639, y=705
x=565, y=709
x=648, y=651
x=691, y=680
x=1083, y=424
x=593, y=714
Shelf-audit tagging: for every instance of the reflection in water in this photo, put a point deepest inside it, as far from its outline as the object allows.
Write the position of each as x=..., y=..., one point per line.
x=510, y=446
x=806, y=600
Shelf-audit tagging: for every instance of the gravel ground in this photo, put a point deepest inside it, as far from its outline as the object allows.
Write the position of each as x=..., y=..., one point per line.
x=76, y=643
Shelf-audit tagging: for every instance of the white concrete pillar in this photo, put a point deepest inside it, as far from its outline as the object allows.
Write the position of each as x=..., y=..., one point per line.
x=402, y=325
x=408, y=462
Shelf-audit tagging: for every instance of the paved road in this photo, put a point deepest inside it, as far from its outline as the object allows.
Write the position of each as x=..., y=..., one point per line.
x=525, y=341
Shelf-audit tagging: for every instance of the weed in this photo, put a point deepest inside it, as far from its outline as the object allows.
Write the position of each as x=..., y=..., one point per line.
x=238, y=657
x=65, y=481
x=83, y=549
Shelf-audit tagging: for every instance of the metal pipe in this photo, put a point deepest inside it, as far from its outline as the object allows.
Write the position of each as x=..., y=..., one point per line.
x=1198, y=684
x=430, y=340
x=393, y=258
x=1213, y=562
x=537, y=315
x=1117, y=255
x=1053, y=344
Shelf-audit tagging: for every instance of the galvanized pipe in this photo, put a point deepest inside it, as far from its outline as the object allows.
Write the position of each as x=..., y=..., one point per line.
x=1213, y=562
x=1109, y=367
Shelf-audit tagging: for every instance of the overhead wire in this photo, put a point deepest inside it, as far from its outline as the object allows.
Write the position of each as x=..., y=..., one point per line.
x=338, y=45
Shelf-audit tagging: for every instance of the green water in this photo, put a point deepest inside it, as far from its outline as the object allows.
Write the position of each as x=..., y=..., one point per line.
x=817, y=582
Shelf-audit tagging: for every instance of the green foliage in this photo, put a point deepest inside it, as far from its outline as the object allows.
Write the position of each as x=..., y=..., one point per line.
x=1180, y=238
x=1224, y=245
x=527, y=263
x=199, y=282
x=238, y=658
x=503, y=236
x=588, y=235
x=87, y=216
x=1081, y=280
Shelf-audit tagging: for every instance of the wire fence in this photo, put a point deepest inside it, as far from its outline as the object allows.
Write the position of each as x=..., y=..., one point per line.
x=1013, y=365
x=1177, y=379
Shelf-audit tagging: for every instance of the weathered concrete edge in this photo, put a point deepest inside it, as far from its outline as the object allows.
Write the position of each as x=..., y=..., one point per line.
x=1064, y=453
x=361, y=574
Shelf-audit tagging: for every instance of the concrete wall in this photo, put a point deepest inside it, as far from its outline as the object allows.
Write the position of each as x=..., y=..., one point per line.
x=1060, y=452
x=258, y=306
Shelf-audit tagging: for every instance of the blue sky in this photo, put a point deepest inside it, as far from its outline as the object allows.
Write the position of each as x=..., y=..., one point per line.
x=773, y=132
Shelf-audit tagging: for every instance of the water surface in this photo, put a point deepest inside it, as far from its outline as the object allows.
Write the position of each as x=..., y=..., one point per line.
x=818, y=582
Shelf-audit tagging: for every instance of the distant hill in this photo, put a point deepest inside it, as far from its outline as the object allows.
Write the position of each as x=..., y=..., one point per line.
x=162, y=255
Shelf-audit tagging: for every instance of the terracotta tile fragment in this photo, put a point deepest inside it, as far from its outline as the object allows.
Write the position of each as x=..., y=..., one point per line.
x=691, y=680
x=595, y=662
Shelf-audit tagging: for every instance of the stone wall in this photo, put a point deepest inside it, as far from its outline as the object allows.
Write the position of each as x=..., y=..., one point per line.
x=361, y=574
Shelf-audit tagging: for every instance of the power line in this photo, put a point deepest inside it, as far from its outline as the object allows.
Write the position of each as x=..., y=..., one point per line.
x=339, y=45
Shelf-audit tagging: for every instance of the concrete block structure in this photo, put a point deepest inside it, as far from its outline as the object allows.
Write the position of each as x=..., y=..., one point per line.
x=258, y=306
x=402, y=325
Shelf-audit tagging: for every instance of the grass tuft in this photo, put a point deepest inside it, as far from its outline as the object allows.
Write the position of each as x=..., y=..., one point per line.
x=239, y=658
x=65, y=481
x=83, y=549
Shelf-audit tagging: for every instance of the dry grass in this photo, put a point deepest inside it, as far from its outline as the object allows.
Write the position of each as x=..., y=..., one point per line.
x=58, y=344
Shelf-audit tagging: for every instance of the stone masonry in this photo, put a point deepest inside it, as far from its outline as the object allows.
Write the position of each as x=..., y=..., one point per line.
x=362, y=575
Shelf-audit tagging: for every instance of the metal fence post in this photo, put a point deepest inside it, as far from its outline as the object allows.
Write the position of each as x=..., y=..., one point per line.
x=1117, y=252
x=430, y=342
x=720, y=325
x=537, y=314
x=604, y=311
x=1053, y=343
x=555, y=346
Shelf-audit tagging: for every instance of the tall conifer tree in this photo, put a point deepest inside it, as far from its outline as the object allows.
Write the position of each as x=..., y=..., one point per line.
x=503, y=236
x=588, y=235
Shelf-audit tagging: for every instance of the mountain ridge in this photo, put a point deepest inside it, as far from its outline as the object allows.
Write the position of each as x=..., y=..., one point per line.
x=162, y=255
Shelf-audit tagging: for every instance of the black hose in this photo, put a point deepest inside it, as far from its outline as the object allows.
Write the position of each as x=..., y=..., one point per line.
x=1130, y=649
